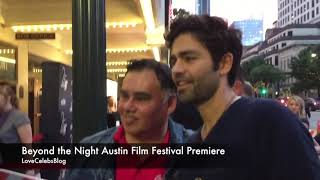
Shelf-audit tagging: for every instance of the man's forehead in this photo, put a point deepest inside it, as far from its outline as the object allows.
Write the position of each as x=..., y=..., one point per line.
x=144, y=80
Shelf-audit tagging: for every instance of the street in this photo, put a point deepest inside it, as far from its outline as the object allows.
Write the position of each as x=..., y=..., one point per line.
x=315, y=116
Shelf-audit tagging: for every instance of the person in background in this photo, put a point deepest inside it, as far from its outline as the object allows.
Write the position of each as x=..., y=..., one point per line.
x=147, y=98
x=242, y=87
x=205, y=57
x=297, y=106
x=112, y=114
x=112, y=106
x=15, y=126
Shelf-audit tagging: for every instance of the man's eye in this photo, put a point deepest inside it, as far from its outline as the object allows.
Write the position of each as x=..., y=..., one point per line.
x=172, y=62
x=190, y=58
x=142, y=98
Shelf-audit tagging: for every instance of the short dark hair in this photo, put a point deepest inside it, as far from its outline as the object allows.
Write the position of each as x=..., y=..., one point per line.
x=214, y=34
x=162, y=71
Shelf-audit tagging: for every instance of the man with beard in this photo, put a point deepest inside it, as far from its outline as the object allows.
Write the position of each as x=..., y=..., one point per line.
x=147, y=98
x=266, y=140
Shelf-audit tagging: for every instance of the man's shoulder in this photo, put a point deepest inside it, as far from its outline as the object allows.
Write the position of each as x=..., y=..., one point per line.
x=268, y=106
x=105, y=136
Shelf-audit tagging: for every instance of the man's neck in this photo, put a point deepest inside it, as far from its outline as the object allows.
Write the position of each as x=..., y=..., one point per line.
x=154, y=137
x=213, y=109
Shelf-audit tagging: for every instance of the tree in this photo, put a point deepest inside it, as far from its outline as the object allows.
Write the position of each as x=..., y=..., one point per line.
x=306, y=69
x=178, y=13
x=263, y=76
x=249, y=65
x=267, y=74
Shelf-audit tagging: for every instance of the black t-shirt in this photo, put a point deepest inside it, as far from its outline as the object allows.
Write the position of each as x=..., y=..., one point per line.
x=273, y=142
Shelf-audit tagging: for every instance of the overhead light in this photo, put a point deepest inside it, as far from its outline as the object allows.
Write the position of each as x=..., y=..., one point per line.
x=156, y=53
x=7, y=60
x=68, y=27
x=117, y=70
x=118, y=50
x=147, y=13
x=118, y=63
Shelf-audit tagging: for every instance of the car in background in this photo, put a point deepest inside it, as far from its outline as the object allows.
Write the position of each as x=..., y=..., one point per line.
x=312, y=104
x=283, y=100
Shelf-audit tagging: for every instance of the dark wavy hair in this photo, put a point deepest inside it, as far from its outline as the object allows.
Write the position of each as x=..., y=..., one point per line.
x=214, y=34
x=7, y=91
x=161, y=70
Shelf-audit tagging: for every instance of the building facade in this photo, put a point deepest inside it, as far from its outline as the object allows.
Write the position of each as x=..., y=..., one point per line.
x=298, y=12
x=252, y=30
x=282, y=45
x=203, y=7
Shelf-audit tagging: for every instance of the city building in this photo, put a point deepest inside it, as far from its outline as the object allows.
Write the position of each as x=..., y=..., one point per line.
x=298, y=12
x=203, y=7
x=282, y=44
x=252, y=30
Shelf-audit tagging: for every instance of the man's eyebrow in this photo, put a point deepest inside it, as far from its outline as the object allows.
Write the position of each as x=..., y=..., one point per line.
x=185, y=52
x=142, y=94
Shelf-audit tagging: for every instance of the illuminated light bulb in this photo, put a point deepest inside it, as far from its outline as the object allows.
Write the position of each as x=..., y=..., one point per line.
x=35, y=28
x=48, y=28
x=61, y=27
x=28, y=28
x=15, y=29
x=41, y=28
x=55, y=27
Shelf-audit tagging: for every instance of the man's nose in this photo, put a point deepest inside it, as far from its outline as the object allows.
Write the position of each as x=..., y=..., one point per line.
x=130, y=105
x=178, y=67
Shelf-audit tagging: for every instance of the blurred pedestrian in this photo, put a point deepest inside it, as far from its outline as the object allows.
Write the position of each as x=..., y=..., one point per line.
x=112, y=115
x=242, y=87
x=15, y=126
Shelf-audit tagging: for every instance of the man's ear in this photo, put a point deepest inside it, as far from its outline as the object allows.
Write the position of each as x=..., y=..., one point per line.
x=172, y=104
x=226, y=64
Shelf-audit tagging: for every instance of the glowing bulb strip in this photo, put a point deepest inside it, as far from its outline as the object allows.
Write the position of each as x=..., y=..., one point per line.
x=7, y=51
x=68, y=27
x=123, y=50
x=7, y=60
x=116, y=70
x=119, y=63
x=37, y=70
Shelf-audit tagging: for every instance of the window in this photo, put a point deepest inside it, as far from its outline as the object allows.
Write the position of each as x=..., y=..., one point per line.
x=312, y=13
x=283, y=44
x=312, y=3
x=304, y=18
x=290, y=33
x=308, y=5
x=317, y=10
x=308, y=16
